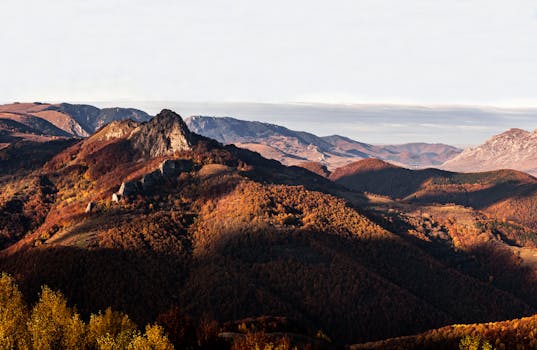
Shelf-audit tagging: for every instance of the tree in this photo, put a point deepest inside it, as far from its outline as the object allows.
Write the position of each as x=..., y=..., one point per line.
x=153, y=339
x=474, y=343
x=53, y=325
x=13, y=315
x=260, y=341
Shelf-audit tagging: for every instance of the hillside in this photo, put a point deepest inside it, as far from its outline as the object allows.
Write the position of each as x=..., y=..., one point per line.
x=294, y=147
x=505, y=194
x=45, y=122
x=173, y=219
x=513, y=149
x=512, y=334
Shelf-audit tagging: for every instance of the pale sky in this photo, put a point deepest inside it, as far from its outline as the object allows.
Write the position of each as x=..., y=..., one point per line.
x=464, y=52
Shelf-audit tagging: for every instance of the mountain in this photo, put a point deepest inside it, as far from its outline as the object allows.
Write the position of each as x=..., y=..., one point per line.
x=150, y=217
x=513, y=149
x=295, y=147
x=44, y=122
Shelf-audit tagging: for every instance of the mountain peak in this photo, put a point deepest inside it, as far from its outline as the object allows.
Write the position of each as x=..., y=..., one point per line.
x=515, y=132
x=164, y=134
x=168, y=113
x=513, y=149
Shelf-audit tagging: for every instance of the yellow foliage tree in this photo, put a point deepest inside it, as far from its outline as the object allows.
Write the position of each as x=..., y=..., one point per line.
x=53, y=325
x=104, y=328
x=13, y=315
x=153, y=339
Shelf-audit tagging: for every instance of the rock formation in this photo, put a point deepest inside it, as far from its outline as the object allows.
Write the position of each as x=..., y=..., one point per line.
x=163, y=135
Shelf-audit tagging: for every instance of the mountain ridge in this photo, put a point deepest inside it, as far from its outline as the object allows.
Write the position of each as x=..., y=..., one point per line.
x=294, y=147
x=47, y=122
x=505, y=193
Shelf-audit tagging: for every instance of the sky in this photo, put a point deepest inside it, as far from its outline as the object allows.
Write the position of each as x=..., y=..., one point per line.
x=413, y=52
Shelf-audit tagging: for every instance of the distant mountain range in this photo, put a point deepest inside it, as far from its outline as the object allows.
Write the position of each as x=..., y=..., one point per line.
x=296, y=147
x=44, y=121
x=513, y=149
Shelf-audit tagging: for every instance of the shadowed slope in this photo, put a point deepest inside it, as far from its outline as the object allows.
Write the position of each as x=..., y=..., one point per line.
x=504, y=193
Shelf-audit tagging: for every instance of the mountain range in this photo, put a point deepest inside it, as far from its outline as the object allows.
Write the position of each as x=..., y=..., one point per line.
x=44, y=121
x=513, y=149
x=295, y=147
x=149, y=217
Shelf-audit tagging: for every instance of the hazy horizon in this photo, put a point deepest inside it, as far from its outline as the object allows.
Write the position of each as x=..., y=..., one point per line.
x=459, y=126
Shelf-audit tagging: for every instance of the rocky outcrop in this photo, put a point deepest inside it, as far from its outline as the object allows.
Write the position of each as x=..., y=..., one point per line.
x=130, y=188
x=168, y=169
x=163, y=135
x=173, y=167
x=149, y=181
x=115, y=130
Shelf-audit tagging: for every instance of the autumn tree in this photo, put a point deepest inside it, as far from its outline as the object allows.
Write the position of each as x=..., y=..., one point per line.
x=54, y=325
x=110, y=327
x=13, y=315
x=153, y=339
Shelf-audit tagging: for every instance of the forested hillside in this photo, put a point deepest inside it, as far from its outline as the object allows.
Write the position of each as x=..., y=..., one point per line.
x=224, y=248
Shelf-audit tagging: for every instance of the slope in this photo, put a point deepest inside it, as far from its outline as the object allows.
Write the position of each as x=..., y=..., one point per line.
x=513, y=149
x=505, y=194
x=512, y=334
